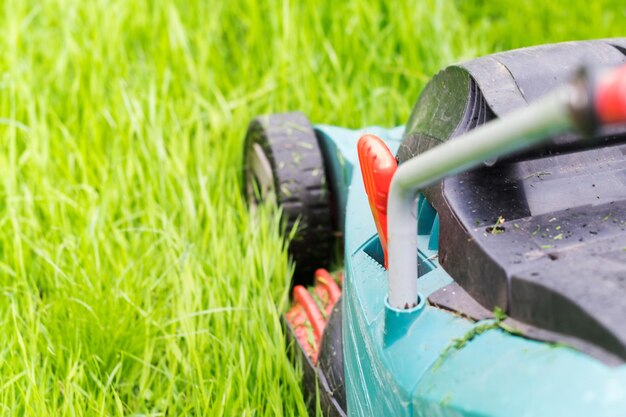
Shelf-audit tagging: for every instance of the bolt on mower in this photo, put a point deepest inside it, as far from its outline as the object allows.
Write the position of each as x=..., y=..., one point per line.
x=484, y=242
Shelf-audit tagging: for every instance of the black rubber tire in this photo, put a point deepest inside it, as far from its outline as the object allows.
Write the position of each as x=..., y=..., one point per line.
x=300, y=187
x=330, y=359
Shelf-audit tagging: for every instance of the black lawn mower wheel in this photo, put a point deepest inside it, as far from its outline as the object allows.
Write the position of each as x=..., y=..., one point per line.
x=284, y=164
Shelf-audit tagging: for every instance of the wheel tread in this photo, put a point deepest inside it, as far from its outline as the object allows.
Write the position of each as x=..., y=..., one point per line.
x=291, y=145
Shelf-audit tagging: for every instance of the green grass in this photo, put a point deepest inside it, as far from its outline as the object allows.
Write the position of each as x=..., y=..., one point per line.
x=132, y=279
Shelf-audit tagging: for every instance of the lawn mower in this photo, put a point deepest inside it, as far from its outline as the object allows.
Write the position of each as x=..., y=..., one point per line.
x=484, y=242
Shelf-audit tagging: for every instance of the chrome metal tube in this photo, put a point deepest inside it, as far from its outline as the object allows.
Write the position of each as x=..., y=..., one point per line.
x=519, y=130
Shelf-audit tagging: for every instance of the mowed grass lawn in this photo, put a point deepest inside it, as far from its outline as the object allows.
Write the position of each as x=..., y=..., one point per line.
x=132, y=280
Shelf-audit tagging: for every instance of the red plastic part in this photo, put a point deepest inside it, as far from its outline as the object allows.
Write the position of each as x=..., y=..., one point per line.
x=610, y=99
x=378, y=165
x=308, y=315
x=326, y=290
x=299, y=322
x=301, y=296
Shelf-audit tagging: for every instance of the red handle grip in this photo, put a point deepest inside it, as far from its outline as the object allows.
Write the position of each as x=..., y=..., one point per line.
x=610, y=98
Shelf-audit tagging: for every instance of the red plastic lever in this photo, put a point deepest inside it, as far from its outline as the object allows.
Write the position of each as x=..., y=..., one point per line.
x=301, y=296
x=377, y=167
x=327, y=290
x=610, y=99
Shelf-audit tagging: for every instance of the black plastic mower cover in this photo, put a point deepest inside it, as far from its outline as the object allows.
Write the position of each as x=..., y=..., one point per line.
x=558, y=260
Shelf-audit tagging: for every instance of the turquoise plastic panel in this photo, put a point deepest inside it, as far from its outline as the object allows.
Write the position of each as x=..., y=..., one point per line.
x=416, y=370
x=498, y=374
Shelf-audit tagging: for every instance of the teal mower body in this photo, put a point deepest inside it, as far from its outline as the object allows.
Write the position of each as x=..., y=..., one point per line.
x=518, y=303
